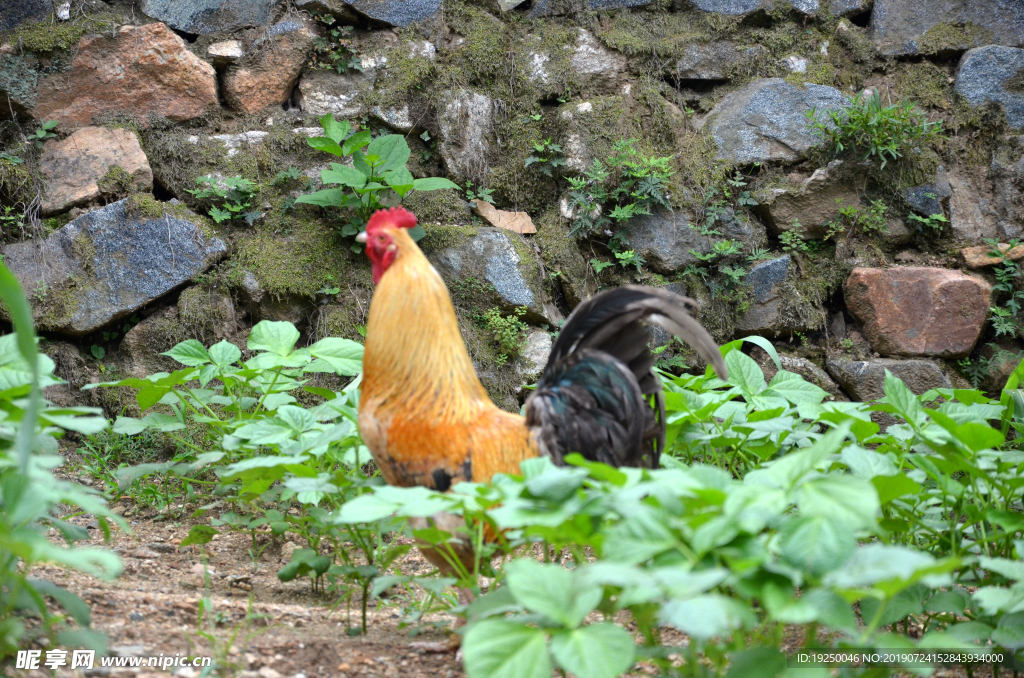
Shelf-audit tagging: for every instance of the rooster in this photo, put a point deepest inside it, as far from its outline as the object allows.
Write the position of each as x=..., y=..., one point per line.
x=426, y=417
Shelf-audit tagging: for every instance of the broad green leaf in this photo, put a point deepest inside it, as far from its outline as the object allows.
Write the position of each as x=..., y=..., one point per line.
x=335, y=130
x=707, y=616
x=817, y=544
x=328, y=197
x=341, y=174
x=326, y=145
x=277, y=337
x=842, y=499
x=794, y=388
x=892, y=487
x=552, y=591
x=344, y=356
x=189, y=352
x=128, y=426
x=757, y=662
x=224, y=354
x=744, y=373
x=598, y=651
x=954, y=601
x=434, y=184
x=400, y=180
x=503, y=649
x=392, y=150
x=75, y=606
x=199, y=534
x=867, y=463
x=356, y=141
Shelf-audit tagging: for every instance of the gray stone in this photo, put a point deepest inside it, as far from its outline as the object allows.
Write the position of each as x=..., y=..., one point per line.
x=667, y=240
x=741, y=7
x=994, y=74
x=1007, y=175
x=534, y=354
x=930, y=198
x=209, y=16
x=907, y=27
x=397, y=12
x=18, y=80
x=107, y=264
x=598, y=68
x=336, y=8
x=514, y=272
x=466, y=135
x=864, y=380
x=226, y=52
x=16, y=12
x=848, y=7
x=340, y=94
x=972, y=209
x=766, y=121
x=814, y=204
x=767, y=297
x=714, y=60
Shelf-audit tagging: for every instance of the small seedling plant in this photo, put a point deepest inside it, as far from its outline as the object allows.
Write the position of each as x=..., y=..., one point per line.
x=235, y=195
x=375, y=178
x=546, y=156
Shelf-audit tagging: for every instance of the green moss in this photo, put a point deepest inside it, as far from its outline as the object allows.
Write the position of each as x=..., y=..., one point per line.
x=446, y=207
x=49, y=36
x=569, y=271
x=16, y=184
x=664, y=35
x=924, y=83
x=203, y=310
x=441, y=237
x=299, y=263
x=953, y=37
x=53, y=307
x=116, y=183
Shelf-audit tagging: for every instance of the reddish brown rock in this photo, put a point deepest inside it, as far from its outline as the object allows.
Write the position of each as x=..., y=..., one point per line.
x=981, y=256
x=145, y=72
x=918, y=311
x=81, y=168
x=267, y=75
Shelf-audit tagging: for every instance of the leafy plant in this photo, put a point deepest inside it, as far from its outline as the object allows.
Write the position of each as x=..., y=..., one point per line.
x=870, y=131
x=630, y=258
x=853, y=217
x=934, y=222
x=235, y=195
x=377, y=172
x=32, y=499
x=509, y=331
x=792, y=241
x=44, y=132
x=599, y=265
x=1006, y=295
x=333, y=49
x=547, y=156
x=485, y=194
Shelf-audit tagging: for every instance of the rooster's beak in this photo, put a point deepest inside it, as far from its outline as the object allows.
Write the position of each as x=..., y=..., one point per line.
x=361, y=237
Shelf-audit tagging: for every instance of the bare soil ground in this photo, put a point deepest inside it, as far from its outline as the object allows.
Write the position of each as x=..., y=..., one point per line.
x=153, y=608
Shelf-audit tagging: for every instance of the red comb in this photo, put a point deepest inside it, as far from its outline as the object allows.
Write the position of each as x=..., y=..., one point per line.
x=396, y=217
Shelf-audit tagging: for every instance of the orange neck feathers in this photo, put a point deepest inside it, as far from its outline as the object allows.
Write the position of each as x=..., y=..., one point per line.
x=415, y=359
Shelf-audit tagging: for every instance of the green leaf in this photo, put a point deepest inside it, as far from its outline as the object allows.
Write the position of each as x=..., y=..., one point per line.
x=417, y=233
x=326, y=145
x=336, y=131
x=552, y=591
x=744, y=373
x=189, y=352
x=356, y=141
x=277, y=337
x=400, y=180
x=344, y=356
x=392, y=150
x=224, y=354
x=502, y=649
x=433, y=184
x=598, y=651
x=707, y=616
x=346, y=176
x=128, y=426
x=816, y=544
x=757, y=662
x=892, y=487
x=199, y=534
x=328, y=197
x=842, y=499
x=795, y=389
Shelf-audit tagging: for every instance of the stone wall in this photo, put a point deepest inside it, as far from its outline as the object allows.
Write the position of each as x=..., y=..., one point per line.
x=101, y=224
